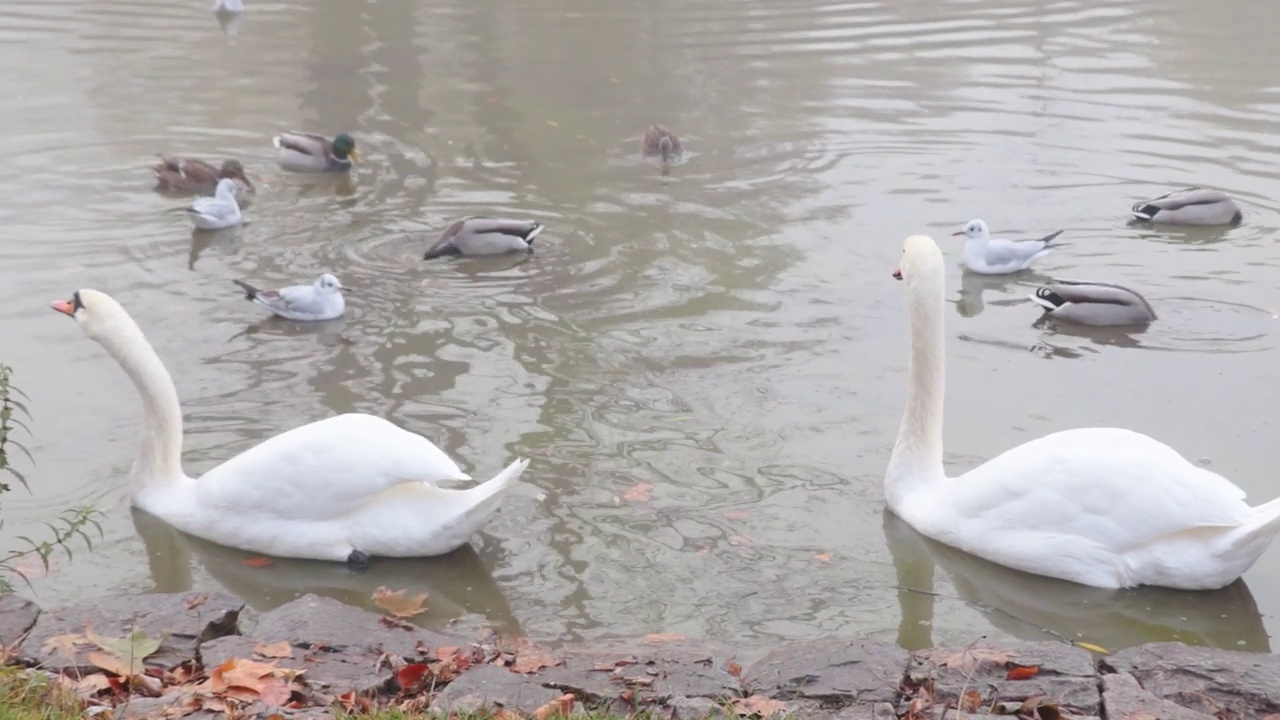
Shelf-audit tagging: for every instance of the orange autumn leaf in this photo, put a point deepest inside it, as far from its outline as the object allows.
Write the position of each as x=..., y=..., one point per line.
x=970, y=701
x=410, y=677
x=758, y=705
x=529, y=661
x=1022, y=672
x=734, y=669
x=275, y=692
x=560, y=707
x=822, y=557
x=396, y=603
x=256, y=562
x=638, y=493
x=663, y=637
x=281, y=649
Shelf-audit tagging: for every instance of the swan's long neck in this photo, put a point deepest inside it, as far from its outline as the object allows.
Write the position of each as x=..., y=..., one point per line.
x=917, y=455
x=159, y=460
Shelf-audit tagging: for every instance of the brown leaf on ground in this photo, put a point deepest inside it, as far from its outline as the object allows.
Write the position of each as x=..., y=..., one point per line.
x=734, y=669
x=256, y=562
x=281, y=649
x=194, y=601
x=638, y=493
x=87, y=686
x=654, y=638
x=1022, y=672
x=250, y=675
x=530, y=661
x=109, y=662
x=396, y=603
x=410, y=677
x=65, y=645
x=560, y=707
x=122, y=656
x=1039, y=707
x=969, y=702
x=275, y=692
x=968, y=660
x=758, y=705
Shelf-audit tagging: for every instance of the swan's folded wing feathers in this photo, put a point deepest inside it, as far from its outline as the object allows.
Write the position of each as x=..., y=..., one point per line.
x=1137, y=492
x=324, y=469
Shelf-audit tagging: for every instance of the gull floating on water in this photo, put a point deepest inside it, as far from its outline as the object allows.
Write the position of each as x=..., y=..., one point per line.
x=219, y=211
x=1094, y=303
x=321, y=300
x=993, y=256
x=1191, y=206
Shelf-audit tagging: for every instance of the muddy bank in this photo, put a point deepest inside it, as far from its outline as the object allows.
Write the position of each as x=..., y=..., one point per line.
x=198, y=655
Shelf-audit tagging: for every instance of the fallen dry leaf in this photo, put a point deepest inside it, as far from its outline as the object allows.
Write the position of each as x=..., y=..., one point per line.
x=87, y=686
x=638, y=493
x=275, y=692
x=257, y=562
x=1096, y=648
x=1022, y=672
x=410, y=677
x=970, y=701
x=122, y=656
x=281, y=649
x=1039, y=707
x=505, y=714
x=560, y=707
x=663, y=637
x=758, y=705
x=64, y=644
x=968, y=660
x=395, y=602
x=822, y=557
x=529, y=661
x=734, y=669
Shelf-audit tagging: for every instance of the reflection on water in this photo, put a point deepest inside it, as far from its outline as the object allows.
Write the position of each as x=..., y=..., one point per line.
x=725, y=337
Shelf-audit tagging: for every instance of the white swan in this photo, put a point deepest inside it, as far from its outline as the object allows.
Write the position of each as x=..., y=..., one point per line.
x=1105, y=507
x=344, y=488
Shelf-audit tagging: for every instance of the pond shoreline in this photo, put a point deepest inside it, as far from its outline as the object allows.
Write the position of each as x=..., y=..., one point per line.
x=203, y=656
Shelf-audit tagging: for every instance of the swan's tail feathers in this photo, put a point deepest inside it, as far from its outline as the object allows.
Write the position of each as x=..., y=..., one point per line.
x=483, y=499
x=1254, y=536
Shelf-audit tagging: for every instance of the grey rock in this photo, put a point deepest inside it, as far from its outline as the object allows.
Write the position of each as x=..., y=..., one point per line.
x=1121, y=695
x=1206, y=680
x=17, y=616
x=834, y=672
x=492, y=687
x=695, y=708
x=654, y=672
x=340, y=647
x=325, y=621
x=183, y=619
x=1066, y=674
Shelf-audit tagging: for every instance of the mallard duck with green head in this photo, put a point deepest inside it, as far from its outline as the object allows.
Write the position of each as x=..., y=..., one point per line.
x=308, y=152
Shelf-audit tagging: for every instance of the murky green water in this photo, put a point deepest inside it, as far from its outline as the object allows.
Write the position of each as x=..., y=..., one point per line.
x=728, y=335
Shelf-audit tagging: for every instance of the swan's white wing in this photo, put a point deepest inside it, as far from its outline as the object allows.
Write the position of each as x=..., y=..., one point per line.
x=322, y=470
x=1113, y=489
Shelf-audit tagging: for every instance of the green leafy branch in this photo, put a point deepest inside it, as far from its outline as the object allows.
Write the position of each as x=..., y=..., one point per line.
x=72, y=524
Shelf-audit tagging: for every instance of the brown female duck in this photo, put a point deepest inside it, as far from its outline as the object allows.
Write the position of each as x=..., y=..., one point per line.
x=193, y=175
x=661, y=142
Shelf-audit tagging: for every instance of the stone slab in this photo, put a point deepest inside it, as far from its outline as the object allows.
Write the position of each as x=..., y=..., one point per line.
x=833, y=672
x=1064, y=674
x=653, y=672
x=1206, y=680
x=493, y=687
x=17, y=616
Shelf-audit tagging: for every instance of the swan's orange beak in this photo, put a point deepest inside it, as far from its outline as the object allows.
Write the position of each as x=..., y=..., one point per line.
x=66, y=307
x=897, y=273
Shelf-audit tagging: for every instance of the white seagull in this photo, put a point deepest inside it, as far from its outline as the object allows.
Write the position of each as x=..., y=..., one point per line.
x=321, y=300
x=992, y=256
x=217, y=212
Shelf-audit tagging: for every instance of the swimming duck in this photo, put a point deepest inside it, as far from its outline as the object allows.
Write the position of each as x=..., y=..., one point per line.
x=1099, y=506
x=986, y=255
x=197, y=176
x=346, y=488
x=1094, y=303
x=659, y=141
x=485, y=236
x=1190, y=206
x=308, y=152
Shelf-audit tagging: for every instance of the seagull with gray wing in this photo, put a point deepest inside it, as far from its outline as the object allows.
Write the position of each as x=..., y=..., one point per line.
x=321, y=300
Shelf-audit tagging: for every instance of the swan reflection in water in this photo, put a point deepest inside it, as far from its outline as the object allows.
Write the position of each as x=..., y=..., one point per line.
x=1034, y=608
x=460, y=586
